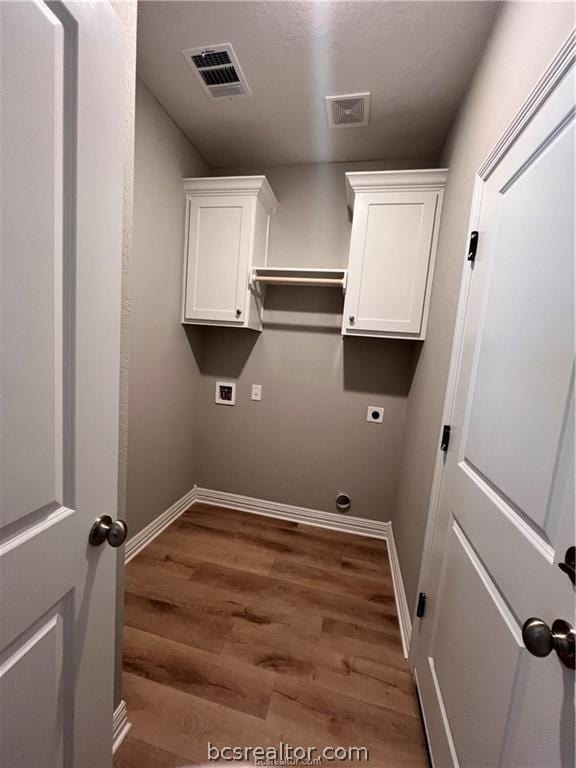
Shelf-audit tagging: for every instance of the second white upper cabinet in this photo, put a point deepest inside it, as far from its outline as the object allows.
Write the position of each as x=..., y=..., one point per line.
x=396, y=215
x=227, y=223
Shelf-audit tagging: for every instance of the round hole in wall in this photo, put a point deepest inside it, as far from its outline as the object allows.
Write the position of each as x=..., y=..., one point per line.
x=343, y=502
x=375, y=415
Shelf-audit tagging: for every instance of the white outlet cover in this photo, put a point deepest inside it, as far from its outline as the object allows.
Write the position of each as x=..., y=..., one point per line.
x=375, y=414
x=256, y=392
x=225, y=393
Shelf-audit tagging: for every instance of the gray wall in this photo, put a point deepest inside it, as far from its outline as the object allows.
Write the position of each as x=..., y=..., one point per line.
x=524, y=39
x=308, y=438
x=164, y=377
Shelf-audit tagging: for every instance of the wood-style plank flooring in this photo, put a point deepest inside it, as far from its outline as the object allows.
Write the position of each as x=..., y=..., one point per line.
x=243, y=630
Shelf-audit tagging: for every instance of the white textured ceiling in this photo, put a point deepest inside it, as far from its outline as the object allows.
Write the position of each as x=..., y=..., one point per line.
x=416, y=59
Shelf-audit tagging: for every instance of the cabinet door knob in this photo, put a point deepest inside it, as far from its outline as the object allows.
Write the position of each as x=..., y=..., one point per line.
x=238, y=312
x=352, y=319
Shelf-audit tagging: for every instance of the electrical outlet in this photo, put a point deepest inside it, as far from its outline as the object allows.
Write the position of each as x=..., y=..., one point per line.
x=375, y=414
x=256, y=392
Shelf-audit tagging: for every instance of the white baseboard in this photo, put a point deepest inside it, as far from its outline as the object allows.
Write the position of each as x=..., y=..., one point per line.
x=404, y=617
x=120, y=725
x=358, y=525
x=137, y=543
x=375, y=529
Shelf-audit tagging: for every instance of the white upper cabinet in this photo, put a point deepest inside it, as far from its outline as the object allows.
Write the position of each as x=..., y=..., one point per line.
x=396, y=215
x=227, y=223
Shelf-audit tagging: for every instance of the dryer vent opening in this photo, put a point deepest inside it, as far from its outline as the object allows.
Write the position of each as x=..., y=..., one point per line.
x=343, y=502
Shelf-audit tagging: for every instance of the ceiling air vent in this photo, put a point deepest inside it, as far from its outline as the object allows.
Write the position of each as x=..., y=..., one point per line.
x=218, y=71
x=348, y=111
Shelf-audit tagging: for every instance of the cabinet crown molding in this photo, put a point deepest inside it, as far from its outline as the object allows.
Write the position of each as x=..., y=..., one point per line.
x=388, y=181
x=233, y=185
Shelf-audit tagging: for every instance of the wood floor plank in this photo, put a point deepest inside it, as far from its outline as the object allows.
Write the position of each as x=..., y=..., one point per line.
x=232, y=520
x=242, y=630
x=364, y=567
x=300, y=543
x=377, y=589
x=228, y=514
x=369, y=682
x=309, y=659
x=154, y=584
x=197, y=672
x=136, y=753
x=176, y=623
x=213, y=605
x=383, y=645
x=234, y=580
x=392, y=738
x=225, y=591
x=183, y=724
x=212, y=548
x=344, y=539
x=282, y=596
x=168, y=559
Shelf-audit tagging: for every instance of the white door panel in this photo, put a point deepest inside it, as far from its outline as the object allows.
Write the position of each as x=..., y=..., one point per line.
x=469, y=593
x=61, y=206
x=523, y=377
x=492, y=526
x=31, y=435
x=529, y=734
x=506, y=514
x=38, y=661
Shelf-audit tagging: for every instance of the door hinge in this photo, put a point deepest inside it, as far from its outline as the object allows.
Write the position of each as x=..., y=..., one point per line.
x=473, y=246
x=421, y=607
x=445, y=438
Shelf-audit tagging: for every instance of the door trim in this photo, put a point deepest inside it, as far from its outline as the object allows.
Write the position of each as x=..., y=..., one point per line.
x=440, y=464
x=553, y=75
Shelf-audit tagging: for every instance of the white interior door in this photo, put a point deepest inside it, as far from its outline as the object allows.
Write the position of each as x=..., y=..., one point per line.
x=506, y=515
x=218, y=252
x=61, y=157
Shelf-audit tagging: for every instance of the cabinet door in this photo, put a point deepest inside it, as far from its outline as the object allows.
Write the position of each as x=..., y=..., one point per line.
x=218, y=252
x=390, y=250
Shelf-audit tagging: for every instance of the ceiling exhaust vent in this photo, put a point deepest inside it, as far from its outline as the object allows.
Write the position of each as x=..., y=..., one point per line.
x=217, y=70
x=349, y=111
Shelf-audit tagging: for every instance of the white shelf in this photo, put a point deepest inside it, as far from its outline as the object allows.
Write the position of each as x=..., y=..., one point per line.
x=303, y=276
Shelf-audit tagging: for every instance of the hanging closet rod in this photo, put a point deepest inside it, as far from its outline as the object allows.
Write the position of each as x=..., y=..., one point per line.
x=335, y=281
x=329, y=278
